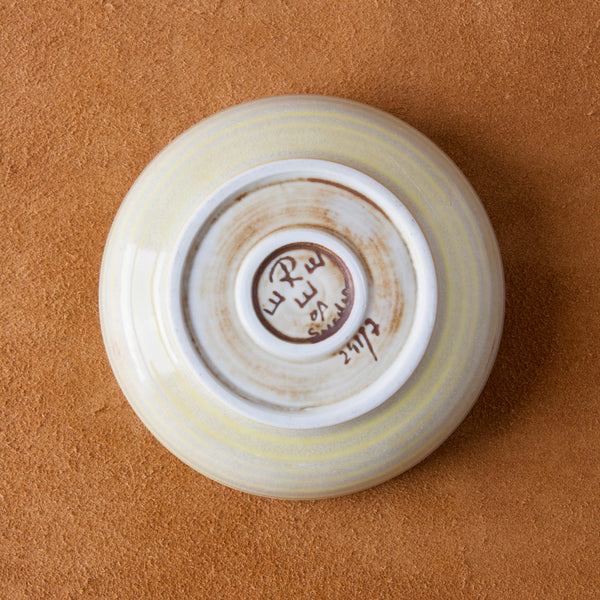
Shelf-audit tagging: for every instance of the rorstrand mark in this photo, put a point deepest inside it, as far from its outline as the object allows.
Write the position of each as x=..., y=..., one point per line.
x=361, y=341
x=302, y=293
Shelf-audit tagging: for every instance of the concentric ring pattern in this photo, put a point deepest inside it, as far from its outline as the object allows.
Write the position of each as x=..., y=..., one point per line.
x=326, y=461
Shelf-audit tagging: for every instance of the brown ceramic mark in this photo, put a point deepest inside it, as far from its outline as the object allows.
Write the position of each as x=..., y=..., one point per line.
x=302, y=293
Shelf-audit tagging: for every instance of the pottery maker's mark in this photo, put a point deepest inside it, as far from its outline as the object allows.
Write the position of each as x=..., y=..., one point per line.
x=302, y=293
x=361, y=341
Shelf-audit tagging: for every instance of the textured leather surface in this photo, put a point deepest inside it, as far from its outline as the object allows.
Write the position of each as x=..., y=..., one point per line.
x=91, y=506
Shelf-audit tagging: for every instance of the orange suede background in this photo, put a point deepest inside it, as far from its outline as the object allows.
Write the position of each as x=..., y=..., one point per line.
x=91, y=506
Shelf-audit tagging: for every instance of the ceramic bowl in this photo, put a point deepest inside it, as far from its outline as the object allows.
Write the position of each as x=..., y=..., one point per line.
x=301, y=297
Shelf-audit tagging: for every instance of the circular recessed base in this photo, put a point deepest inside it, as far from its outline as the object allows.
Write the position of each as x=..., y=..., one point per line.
x=176, y=297
x=303, y=293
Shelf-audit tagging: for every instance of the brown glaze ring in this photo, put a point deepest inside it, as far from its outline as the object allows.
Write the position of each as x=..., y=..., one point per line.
x=349, y=285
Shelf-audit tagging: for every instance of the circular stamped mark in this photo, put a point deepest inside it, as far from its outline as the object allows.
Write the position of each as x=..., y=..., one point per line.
x=302, y=293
